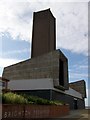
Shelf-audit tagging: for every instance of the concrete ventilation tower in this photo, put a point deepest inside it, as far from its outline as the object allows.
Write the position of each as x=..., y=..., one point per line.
x=44, y=33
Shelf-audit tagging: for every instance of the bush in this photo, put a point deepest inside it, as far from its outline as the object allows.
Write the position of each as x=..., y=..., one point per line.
x=13, y=98
x=56, y=102
x=41, y=101
x=37, y=100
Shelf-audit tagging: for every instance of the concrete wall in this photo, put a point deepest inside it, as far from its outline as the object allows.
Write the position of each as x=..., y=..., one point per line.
x=45, y=66
x=42, y=67
x=79, y=86
x=68, y=99
x=72, y=92
x=65, y=69
x=40, y=93
x=43, y=36
x=33, y=112
x=32, y=84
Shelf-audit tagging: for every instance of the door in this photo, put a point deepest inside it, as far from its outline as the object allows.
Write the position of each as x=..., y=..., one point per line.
x=75, y=104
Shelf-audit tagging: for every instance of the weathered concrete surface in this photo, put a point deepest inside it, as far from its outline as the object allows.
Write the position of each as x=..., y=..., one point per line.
x=79, y=86
x=44, y=33
x=45, y=66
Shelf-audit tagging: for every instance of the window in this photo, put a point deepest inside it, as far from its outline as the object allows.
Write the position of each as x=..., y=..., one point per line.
x=61, y=72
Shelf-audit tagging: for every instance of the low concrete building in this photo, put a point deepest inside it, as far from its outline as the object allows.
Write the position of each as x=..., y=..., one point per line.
x=42, y=76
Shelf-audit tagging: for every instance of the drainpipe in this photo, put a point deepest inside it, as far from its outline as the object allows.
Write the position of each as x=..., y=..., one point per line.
x=50, y=94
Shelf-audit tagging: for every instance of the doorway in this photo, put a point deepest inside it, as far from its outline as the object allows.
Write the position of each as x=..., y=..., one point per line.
x=75, y=104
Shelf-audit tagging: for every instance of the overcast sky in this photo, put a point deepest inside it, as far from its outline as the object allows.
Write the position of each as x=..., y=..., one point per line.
x=71, y=32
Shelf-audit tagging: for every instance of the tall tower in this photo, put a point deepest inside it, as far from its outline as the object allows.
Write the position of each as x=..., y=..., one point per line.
x=44, y=33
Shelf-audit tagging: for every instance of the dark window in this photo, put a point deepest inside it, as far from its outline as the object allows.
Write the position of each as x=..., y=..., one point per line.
x=3, y=84
x=61, y=72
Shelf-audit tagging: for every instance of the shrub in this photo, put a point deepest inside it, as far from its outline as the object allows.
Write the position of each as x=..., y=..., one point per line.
x=55, y=102
x=41, y=101
x=13, y=98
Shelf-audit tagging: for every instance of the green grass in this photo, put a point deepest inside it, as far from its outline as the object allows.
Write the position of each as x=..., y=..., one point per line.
x=12, y=98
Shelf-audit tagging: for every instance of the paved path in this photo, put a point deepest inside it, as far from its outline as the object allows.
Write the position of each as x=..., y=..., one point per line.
x=78, y=115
